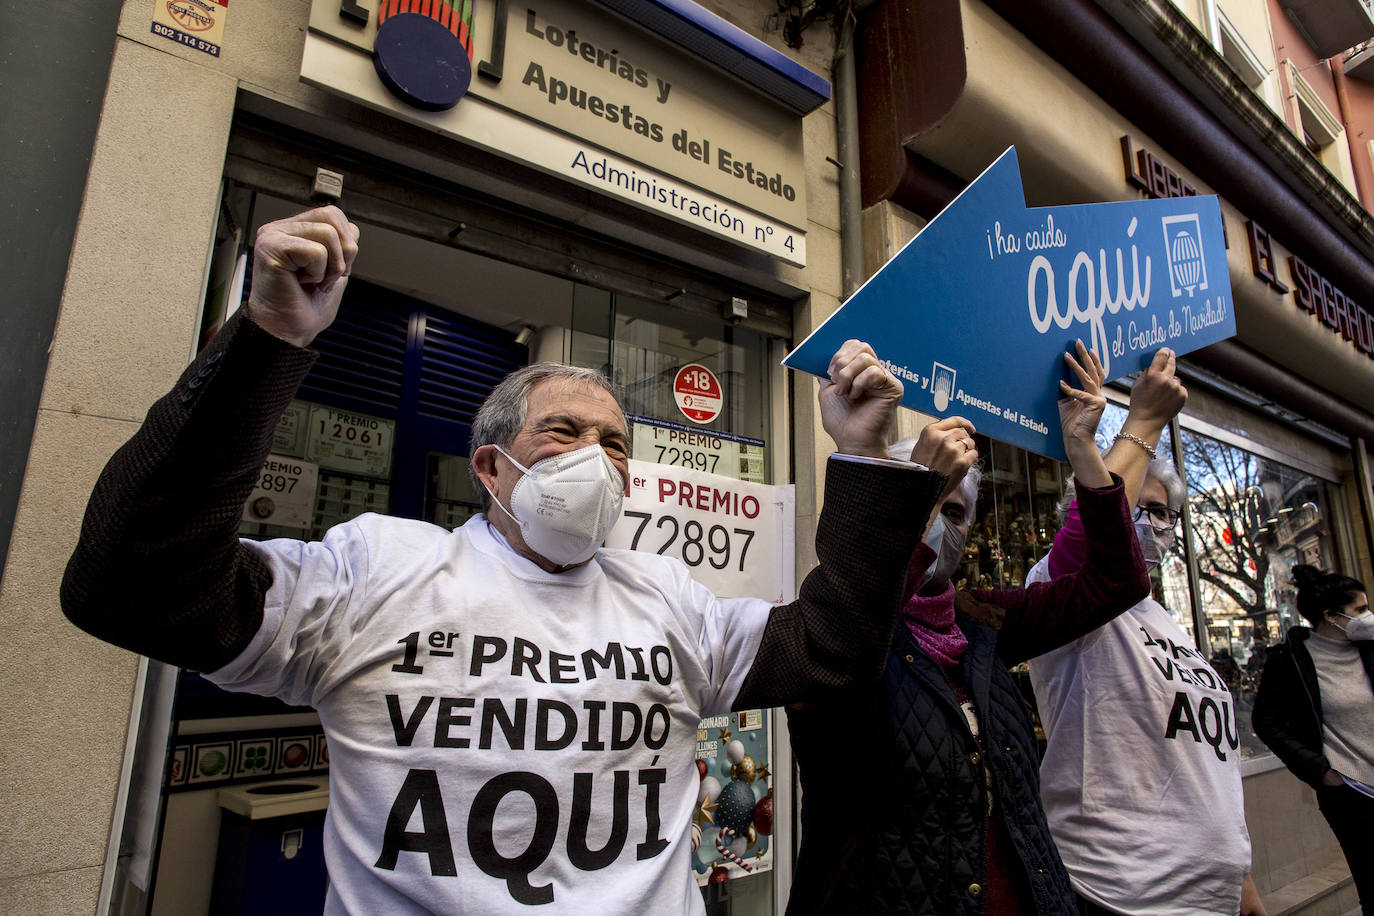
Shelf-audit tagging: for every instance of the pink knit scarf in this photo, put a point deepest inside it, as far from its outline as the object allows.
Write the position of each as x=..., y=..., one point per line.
x=931, y=622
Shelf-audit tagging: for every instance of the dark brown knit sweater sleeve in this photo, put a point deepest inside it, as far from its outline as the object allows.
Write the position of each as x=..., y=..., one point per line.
x=837, y=633
x=159, y=568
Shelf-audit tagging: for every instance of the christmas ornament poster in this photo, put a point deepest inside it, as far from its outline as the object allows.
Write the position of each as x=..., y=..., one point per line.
x=732, y=830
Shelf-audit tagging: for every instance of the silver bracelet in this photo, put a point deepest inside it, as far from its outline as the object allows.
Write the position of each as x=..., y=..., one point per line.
x=1149, y=449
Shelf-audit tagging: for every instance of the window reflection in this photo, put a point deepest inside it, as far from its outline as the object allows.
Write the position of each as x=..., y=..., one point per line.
x=1253, y=520
x=648, y=344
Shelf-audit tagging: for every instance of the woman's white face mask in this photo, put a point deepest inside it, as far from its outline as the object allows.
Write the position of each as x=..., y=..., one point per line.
x=1361, y=626
x=566, y=504
x=948, y=543
x=1154, y=544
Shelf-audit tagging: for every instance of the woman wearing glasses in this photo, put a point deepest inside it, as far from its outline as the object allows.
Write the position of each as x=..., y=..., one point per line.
x=1140, y=779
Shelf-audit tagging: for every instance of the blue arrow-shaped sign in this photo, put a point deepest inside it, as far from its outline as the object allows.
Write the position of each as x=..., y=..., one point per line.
x=974, y=314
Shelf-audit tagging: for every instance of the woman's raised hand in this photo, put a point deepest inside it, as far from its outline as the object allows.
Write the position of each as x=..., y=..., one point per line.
x=1080, y=411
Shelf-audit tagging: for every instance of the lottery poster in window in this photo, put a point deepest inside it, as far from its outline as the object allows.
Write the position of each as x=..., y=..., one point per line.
x=727, y=454
x=355, y=443
x=290, y=435
x=284, y=493
x=737, y=538
x=732, y=827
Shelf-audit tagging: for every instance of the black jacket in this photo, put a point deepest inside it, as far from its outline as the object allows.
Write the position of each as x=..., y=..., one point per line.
x=1288, y=705
x=894, y=792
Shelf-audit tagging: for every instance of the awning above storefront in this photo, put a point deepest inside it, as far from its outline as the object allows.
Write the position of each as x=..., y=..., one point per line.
x=713, y=39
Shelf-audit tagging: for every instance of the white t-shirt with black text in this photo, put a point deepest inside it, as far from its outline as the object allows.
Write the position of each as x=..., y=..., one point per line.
x=1141, y=777
x=502, y=739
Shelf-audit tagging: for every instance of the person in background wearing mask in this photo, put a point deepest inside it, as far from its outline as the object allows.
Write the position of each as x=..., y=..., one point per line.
x=1315, y=710
x=511, y=709
x=920, y=793
x=1141, y=776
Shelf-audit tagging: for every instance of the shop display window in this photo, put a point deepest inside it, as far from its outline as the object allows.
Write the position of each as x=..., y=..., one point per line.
x=1015, y=523
x=450, y=497
x=1253, y=520
x=643, y=346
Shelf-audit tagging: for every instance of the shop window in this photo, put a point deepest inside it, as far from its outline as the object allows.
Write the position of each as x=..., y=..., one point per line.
x=450, y=497
x=644, y=346
x=1238, y=54
x=1253, y=520
x=1016, y=521
x=654, y=353
x=1319, y=128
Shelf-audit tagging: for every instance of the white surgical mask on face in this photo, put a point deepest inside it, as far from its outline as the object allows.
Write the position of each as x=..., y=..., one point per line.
x=948, y=543
x=566, y=504
x=1153, y=544
x=1361, y=626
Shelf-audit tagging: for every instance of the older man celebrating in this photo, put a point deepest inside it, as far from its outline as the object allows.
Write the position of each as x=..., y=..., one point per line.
x=511, y=708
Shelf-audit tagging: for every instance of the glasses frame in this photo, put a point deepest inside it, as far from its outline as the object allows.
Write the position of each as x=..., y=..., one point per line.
x=1171, y=516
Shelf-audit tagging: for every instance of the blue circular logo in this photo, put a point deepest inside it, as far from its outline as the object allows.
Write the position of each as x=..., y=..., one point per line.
x=421, y=61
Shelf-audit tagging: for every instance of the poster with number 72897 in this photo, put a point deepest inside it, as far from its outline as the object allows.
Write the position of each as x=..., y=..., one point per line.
x=738, y=539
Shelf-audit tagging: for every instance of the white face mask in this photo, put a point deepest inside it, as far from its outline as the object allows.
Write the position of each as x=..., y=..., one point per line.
x=1361, y=626
x=566, y=504
x=1153, y=544
x=948, y=543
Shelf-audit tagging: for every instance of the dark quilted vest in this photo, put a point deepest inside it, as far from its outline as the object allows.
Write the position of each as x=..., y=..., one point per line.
x=894, y=809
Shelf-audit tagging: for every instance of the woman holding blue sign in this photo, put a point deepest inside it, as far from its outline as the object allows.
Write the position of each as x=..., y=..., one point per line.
x=921, y=790
x=1141, y=776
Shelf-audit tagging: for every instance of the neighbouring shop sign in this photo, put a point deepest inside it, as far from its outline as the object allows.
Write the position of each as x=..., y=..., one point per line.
x=197, y=24
x=571, y=89
x=284, y=494
x=975, y=313
x=1147, y=172
x=725, y=454
x=1312, y=292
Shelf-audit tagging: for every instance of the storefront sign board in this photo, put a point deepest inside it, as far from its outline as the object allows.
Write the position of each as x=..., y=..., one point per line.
x=974, y=314
x=589, y=97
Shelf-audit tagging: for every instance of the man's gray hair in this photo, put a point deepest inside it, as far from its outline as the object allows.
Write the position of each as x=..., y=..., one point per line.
x=901, y=451
x=1161, y=469
x=502, y=415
